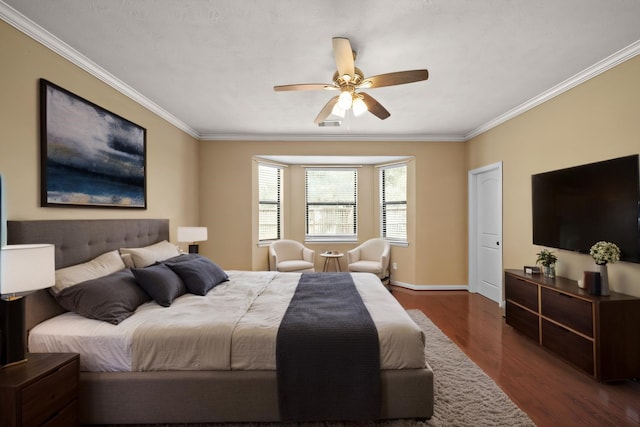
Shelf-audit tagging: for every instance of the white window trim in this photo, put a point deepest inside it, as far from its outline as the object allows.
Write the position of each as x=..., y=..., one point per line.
x=332, y=238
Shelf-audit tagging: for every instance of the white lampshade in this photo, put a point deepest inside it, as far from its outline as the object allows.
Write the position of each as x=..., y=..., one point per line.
x=192, y=234
x=26, y=268
x=344, y=100
x=338, y=111
x=359, y=106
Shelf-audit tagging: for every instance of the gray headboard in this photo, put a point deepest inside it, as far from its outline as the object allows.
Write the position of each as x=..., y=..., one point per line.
x=78, y=241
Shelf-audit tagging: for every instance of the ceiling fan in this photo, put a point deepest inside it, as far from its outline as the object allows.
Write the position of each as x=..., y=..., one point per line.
x=348, y=79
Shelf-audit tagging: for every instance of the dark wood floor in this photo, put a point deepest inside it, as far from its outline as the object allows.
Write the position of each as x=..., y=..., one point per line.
x=550, y=391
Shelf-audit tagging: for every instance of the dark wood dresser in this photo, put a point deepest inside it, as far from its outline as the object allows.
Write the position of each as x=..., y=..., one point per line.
x=597, y=334
x=43, y=391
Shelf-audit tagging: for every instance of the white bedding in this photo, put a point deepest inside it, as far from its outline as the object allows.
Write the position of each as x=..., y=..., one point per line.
x=245, y=313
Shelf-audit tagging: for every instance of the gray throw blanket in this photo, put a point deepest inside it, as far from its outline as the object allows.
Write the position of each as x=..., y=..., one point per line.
x=327, y=354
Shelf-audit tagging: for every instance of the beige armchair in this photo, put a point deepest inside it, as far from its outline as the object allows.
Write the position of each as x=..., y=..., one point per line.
x=289, y=255
x=371, y=256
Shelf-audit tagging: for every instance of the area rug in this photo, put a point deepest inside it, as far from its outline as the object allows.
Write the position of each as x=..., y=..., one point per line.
x=464, y=394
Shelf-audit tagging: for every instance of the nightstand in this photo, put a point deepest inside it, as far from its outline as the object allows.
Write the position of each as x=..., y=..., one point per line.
x=41, y=391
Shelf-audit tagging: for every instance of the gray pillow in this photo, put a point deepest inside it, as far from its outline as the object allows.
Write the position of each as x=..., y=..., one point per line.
x=199, y=275
x=160, y=282
x=110, y=298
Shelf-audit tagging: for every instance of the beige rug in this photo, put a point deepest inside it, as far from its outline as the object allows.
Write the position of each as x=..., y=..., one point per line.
x=464, y=394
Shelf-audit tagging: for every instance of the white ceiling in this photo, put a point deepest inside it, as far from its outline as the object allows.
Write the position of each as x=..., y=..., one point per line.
x=209, y=66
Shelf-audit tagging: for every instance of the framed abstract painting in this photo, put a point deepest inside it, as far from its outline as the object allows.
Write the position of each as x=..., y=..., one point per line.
x=90, y=157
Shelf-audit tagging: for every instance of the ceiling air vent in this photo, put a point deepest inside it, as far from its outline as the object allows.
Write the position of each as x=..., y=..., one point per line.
x=330, y=123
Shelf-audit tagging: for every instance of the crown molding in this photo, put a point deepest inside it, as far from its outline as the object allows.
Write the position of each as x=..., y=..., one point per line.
x=42, y=36
x=598, y=68
x=332, y=137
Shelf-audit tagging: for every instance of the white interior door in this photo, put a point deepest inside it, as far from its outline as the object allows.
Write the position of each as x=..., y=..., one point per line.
x=485, y=232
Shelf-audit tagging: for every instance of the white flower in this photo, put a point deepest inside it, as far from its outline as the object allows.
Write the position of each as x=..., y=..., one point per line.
x=605, y=252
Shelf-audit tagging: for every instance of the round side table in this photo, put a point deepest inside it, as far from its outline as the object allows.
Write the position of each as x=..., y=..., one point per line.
x=328, y=256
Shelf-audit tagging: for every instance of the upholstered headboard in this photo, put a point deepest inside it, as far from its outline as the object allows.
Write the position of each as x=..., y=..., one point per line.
x=78, y=241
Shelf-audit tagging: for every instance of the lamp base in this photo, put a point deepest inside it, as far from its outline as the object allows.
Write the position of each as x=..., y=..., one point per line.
x=13, y=335
x=193, y=249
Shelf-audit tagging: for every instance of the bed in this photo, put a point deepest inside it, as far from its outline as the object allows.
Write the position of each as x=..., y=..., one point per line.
x=243, y=388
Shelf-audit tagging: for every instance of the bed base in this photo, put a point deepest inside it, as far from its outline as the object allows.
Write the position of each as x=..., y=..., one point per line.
x=223, y=396
x=178, y=396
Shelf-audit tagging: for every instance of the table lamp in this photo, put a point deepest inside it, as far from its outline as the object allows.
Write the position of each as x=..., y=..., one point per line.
x=23, y=269
x=192, y=235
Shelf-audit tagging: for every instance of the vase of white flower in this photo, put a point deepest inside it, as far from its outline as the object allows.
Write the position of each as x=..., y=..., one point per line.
x=604, y=253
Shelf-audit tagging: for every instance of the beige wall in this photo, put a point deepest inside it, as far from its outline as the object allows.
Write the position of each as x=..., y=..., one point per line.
x=172, y=179
x=595, y=121
x=213, y=183
x=436, y=254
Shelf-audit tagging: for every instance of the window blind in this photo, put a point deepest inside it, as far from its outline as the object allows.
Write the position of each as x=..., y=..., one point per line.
x=393, y=202
x=270, y=202
x=331, y=203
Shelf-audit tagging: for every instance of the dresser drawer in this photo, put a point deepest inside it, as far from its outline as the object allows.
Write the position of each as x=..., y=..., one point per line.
x=573, y=348
x=523, y=320
x=66, y=417
x=44, y=399
x=570, y=311
x=521, y=292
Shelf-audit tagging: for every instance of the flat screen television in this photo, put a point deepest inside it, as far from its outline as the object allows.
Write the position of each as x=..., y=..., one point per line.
x=576, y=207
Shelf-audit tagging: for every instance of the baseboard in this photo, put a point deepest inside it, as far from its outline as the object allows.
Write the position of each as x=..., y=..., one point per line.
x=430, y=287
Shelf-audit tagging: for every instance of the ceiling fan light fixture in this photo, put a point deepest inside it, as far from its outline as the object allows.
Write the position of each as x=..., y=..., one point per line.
x=345, y=100
x=348, y=79
x=338, y=111
x=359, y=106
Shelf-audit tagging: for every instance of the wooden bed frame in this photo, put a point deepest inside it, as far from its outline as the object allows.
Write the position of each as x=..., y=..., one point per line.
x=178, y=396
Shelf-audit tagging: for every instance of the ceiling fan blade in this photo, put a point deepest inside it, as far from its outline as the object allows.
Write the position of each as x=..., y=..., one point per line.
x=326, y=110
x=397, y=78
x=343, y=55
x=305, y=86
x=374, y=106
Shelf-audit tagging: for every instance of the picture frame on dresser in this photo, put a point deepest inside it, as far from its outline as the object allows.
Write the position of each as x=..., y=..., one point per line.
x=90, y=157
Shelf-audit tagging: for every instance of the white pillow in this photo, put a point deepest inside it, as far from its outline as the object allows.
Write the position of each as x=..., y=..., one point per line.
x=143, y=257
x=102, y=265
x=128, y=260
